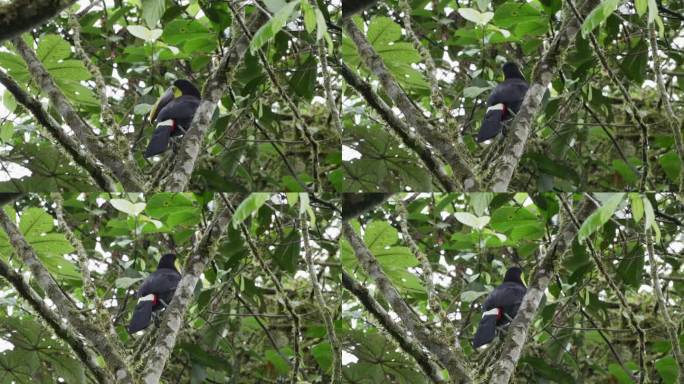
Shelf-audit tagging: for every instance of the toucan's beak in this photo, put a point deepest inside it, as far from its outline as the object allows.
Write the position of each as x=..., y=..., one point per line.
x=161, y=103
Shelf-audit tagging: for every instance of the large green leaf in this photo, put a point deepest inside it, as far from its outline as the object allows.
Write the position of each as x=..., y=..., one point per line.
x=599, y=15
x=272, y=27
x=597, y=219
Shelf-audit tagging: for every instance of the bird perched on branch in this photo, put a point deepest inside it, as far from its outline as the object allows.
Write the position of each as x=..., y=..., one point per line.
x=155, y=293
x=173, y=113
x=500, y=307
x=504, y=102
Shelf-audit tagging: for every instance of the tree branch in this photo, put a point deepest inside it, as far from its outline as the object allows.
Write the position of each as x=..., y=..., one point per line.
x=62, y=330
x=452, y=360
x=455, y=155
x=101, y=176
x=112, y=160
x=211, y=94
x=174, y=314
x=412, y=140
x=64, y=304
x=21, y=15
x=399, y=333
x=514, y=340
x=544, y=72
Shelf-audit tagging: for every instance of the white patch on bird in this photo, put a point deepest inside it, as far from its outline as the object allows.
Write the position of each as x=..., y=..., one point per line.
x=149, y=297
x=496, y=107
x=168, y=122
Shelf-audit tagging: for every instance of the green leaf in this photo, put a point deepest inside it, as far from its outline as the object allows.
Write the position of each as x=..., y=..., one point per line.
x=667, y=369
x=248, y=206
x=641, y=6
x=671, y=164
x=8, y=101
x=470, y=296
x=597, y=219
x=125, y=282
x=473, y=92
x=127, y=207
x=272, y=27
x=286, y=254
x=309, y=16
x=652, y=10
x=144, y=33
x=475, y=16
x=379, y=235
x=637, y=206
x=152, y=11
x=322, y=353
x=52, y=48
x=278, y=362
x=471, y=220
x=650, y=218
x=178, y=32
x=620, y=374
x=599, y=15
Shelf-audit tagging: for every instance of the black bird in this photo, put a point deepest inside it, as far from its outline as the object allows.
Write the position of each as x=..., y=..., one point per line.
x=504, y=102
x=155, y=293
x=500, y=307
x=173, y=113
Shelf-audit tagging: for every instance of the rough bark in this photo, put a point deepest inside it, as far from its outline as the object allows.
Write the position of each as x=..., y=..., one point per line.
x=174, y=314
x=431, y=161
x=112, y=160
x=409, y=344
x=514, y=340
x=213, y=90
x=64, y=304
x=543, y=74
x=451, y=151
x=63, y=331
x=449, y=356
x=101, y=176
x=21, y=15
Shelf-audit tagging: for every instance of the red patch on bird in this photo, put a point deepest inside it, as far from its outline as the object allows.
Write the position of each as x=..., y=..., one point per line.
x=154, y=302
x=505, y=111
x=173, y=127
x=499, y=314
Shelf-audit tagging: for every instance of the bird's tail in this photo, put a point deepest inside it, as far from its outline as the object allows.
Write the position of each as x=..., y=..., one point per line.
x=487, y=328
x=160, y=138
x=491, y=126
x=142, y=314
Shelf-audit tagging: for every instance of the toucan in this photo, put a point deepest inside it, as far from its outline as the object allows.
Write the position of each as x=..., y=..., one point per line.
x=173, y=113
x=500, y=307
x=504, y=102
x=155, y=293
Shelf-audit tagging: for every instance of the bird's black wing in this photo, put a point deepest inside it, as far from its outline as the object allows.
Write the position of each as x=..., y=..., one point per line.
x=506, y=295
x=511, y=92
x=160, y=281
x=181, y=109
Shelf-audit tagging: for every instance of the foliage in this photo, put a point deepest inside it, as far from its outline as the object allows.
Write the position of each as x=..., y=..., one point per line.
x=470, y=240
x=584, y=137
x=235, y=314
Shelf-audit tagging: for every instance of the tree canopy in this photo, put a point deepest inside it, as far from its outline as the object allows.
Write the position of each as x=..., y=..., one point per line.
x=603, y=111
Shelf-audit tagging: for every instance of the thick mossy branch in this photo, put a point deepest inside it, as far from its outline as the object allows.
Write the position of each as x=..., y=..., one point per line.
x=516, y=337
x=545, y=71
x=18, y=16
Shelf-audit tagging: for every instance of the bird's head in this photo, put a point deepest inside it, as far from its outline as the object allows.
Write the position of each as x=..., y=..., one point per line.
x=513, y=275
x=186, y=88
x=511, y=71
x=168, y=261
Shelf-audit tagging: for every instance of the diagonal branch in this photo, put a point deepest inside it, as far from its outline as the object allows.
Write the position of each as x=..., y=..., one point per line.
x=199, y=258
x=64, y=304
x=112, y=160
x=450, y=357
x=455, y=155
x=62, y=330
x=213, y=90
x=431, y=161
x=21, y=15
x=544, y=72
x=399, y=333
x=514, y=340
x=100, y=175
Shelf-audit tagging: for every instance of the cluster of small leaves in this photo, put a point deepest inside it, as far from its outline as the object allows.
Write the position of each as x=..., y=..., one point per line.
x=572, y=145
x=471, y=239
x=223, y=337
